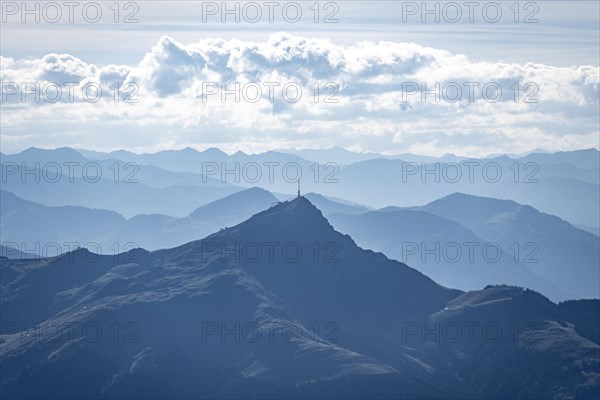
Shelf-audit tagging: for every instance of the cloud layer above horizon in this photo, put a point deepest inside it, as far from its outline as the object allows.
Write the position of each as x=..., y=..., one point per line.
x=375, y=85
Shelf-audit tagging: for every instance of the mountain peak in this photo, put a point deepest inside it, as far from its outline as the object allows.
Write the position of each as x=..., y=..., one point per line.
x=40, y=154
x=299, y=207
x=467, y=201
x=292, y=220
x=213, y=151
x=300, y=201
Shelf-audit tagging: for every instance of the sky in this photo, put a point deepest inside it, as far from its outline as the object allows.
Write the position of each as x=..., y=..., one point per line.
x=470, y=78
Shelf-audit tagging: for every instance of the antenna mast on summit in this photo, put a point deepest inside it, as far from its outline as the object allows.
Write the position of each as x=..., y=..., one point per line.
x=298, y=187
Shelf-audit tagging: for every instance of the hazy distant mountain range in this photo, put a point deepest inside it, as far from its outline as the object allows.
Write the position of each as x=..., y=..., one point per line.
x=466, y=242
x=67, y=224
x=64, y=177
x=552, y=248
x=175, y=182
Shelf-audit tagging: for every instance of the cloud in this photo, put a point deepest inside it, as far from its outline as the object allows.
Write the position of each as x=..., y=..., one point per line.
x=384, y=96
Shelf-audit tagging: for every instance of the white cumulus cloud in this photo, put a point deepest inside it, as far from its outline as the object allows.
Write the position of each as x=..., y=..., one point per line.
x=376, y=96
